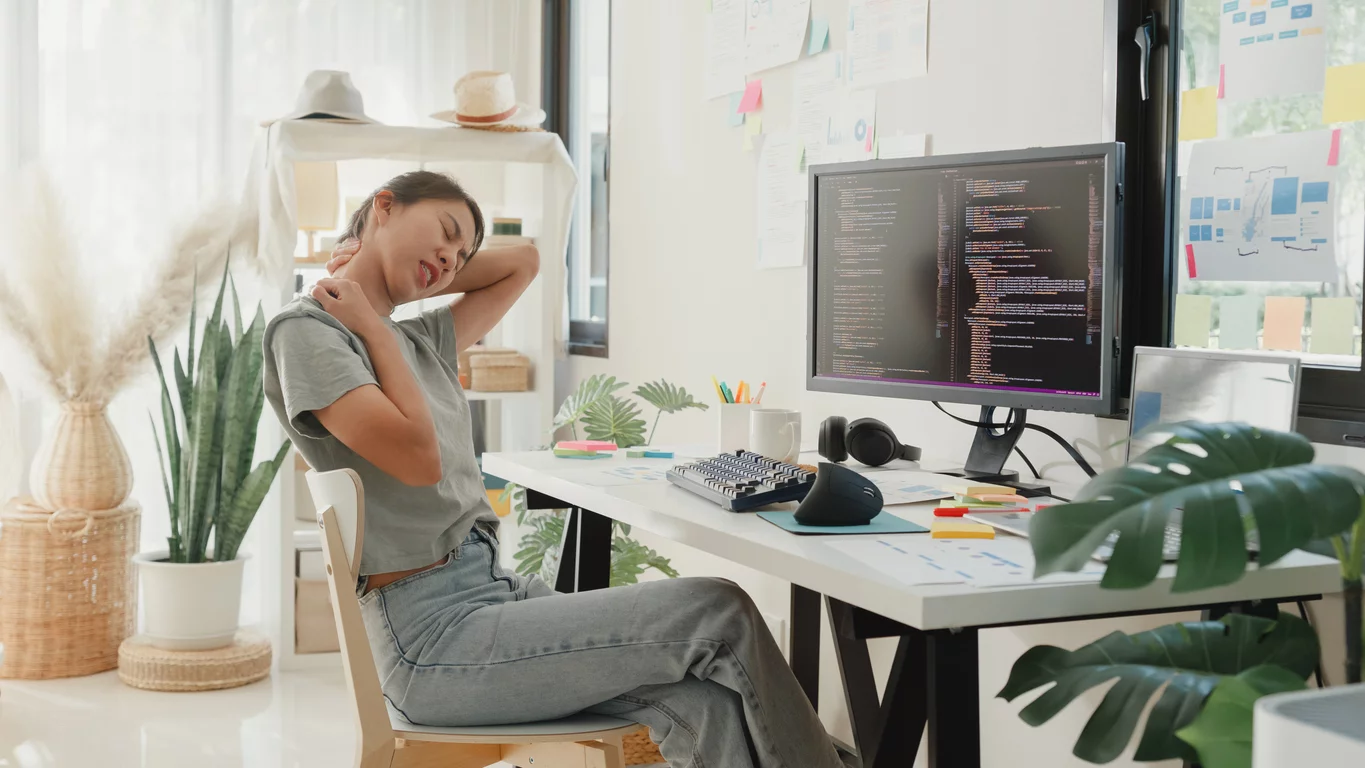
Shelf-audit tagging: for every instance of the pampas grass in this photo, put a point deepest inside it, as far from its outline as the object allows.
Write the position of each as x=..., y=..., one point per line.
x=61, y=340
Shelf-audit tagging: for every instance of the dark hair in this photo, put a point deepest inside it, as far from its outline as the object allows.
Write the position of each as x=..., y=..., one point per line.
x=414, y=187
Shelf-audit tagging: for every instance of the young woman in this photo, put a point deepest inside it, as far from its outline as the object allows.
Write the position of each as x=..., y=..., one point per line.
x=457, y=639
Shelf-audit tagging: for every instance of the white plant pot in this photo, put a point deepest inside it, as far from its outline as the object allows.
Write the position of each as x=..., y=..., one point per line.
x=189, y=606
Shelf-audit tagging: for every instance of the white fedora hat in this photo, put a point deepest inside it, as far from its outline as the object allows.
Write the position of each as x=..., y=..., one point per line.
x=487, y=100
x=328, y=95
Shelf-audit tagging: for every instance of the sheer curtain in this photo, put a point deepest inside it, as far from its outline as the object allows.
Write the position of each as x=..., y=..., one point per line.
x=145, y=110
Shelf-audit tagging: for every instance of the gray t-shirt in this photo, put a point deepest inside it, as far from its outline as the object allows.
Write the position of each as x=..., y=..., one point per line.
x=311, y=360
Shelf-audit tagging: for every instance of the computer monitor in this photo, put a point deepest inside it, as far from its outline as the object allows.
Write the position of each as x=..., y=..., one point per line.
x=989, y=279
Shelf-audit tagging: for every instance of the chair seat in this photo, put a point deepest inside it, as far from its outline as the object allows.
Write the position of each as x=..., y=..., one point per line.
x=573, y=728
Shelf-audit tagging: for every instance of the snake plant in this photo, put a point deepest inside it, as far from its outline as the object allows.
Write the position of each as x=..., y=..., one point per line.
x=206, y=469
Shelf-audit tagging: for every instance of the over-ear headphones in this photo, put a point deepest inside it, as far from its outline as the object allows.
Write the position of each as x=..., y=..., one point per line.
x=867, y=440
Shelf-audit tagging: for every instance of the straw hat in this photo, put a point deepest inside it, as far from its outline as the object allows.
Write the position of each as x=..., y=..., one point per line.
x=328, y=95
x=489, y=100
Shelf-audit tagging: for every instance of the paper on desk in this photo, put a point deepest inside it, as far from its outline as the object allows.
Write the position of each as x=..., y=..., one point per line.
x=906, y=486
x=887, y=40
x=919, y=560
x=724, y=48
x=621, y=474
x=775, y=31
x=1273, y=49
x=781, y=207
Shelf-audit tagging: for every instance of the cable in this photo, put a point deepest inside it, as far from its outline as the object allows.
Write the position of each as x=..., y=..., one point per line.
x=1031, y=468
x=1009, y=422
x=1317, y=668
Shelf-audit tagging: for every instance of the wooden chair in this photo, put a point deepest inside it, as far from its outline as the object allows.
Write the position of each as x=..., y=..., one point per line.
x=386, y=738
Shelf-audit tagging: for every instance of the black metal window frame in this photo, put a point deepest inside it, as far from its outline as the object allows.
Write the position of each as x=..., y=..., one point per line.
x=586, y=337
x=1331, y=401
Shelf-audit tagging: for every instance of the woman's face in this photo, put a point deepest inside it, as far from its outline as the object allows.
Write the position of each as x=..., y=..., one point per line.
x=423, y=245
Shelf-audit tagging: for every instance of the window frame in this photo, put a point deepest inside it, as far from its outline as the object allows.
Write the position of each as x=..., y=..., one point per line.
x=1331, y=401
x=558, y=36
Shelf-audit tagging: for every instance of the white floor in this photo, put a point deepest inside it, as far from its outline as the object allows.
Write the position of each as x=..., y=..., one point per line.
x=290, y=720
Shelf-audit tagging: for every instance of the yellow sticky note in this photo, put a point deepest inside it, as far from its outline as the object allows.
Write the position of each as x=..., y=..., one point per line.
x=1284, y=323
x=1192, y=319
x=1199, y=114
x=753, y=126
x=1334, y=326
x=943, y=529
x=1343, y=95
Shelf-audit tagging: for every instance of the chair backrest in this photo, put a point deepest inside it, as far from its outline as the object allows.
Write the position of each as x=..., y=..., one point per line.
x=340, y=501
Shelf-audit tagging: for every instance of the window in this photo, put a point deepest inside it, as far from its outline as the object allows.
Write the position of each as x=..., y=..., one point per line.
x=1267, y=212
x=578, y=99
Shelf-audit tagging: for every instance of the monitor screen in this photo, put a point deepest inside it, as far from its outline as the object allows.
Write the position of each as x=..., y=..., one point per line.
x=983, y=281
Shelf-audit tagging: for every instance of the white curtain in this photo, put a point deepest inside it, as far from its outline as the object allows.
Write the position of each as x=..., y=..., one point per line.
x=146, y=109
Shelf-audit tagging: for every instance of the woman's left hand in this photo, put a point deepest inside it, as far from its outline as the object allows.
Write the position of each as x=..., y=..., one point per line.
x=342, y=254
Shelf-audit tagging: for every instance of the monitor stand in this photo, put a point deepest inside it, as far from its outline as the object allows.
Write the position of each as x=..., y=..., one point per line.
x=992, y=447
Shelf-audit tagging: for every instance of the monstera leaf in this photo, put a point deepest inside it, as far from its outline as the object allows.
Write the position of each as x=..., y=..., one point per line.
x=1221, y=477
x=668, y=399
x=615, y=419
x=1222, y=732
x=1189, y=659
x=590, y=391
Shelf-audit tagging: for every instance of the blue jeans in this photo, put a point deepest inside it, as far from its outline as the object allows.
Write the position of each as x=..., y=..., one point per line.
x=468, y=643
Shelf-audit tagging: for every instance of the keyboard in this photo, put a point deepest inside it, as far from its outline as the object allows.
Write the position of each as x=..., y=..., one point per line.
x=743, y=480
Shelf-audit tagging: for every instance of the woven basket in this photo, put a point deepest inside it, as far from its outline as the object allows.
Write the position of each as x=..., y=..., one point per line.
x=143, y=665
x=68, y=591
x=639, y=749
x=81, y=463
x=493, y=372
x=479, y=349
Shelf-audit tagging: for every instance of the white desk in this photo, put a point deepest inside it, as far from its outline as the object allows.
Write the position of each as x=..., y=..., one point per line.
x=941, y=619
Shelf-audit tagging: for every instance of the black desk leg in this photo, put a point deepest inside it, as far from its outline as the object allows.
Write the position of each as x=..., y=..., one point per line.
x=903, y=707
x=954, y=689
x=585, y=552
x=805, y=642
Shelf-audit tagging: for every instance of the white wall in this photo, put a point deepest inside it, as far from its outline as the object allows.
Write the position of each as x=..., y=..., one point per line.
x=686, y=301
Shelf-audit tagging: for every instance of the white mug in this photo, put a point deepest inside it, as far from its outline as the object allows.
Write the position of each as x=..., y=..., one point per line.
x=775, y=433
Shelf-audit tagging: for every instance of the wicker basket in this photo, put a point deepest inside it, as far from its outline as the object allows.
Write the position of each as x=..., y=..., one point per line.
x=68, y=591
x=499, y=372
x=639, y=749
x=479, y=349
x=143, y=665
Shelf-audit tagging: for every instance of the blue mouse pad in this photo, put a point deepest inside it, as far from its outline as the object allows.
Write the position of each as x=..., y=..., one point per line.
x=884, y=522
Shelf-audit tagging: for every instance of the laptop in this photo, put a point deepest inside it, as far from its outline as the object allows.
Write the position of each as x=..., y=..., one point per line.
x=1172, y=385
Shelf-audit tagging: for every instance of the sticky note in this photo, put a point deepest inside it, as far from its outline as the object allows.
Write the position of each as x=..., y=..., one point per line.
x=950, y=529
x=976, y=489
x=1343, y=94
x=1284, y=322
x=1334, y=326
x=1334, y=152
x=1193, y=315
x=736, y=116
x=586, y=445
x=819, y=35
x=753, y=97
x=753, y=126
x=1238, y=321
x=800, y=156
x=1199, y=114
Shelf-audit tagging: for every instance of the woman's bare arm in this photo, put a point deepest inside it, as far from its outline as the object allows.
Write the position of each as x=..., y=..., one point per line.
x=491, y=283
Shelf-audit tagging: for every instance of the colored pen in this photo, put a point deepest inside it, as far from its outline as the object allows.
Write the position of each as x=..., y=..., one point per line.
x=719, y=393
x=739, y=393
x=725, y=391
x=759, y=397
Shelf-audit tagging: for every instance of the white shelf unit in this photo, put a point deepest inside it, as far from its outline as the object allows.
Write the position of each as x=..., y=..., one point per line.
x=527, y=174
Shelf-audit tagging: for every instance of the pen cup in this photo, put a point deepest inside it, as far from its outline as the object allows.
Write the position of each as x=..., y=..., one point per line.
x=732, y=428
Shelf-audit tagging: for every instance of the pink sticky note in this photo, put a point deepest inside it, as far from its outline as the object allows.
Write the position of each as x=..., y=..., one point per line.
x=1189, y=260
x=1222, y=76
x=753, y=97
x=1336, y=147
x=586, y=445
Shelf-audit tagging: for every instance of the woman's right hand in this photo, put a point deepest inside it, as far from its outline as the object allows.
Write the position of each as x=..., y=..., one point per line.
x=344, y=300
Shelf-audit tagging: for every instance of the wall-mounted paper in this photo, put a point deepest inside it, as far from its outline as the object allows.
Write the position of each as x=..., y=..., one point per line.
x=1334, y=326
x=819, y=35
x=781, y=209
x=1284, y=323
x=1192, y=319
x=753, y=96
x=1262, y=209
x=1199, y=114
x=887, y=40
x=775, y=31
x=736, y=117
x=852, y=127
x=1239, y=319
x=911, y=145
x=753, y=128
x=816, y=83
x=724, y=48
x=1272, y=49
x=1343, y=96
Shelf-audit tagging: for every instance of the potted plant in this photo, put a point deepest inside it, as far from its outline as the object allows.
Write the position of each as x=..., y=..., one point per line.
x=191, y=591
x=1229, y=480
x=604, y=416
